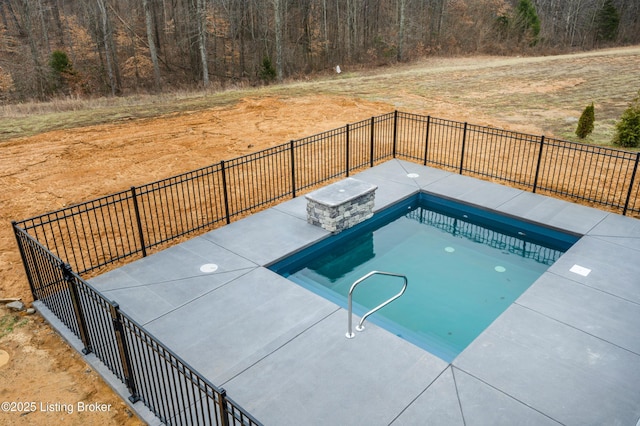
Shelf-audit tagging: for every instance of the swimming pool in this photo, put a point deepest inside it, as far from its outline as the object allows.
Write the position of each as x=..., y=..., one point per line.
x=464, y=265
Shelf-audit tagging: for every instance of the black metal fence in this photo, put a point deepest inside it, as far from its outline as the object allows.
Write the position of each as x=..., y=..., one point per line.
x=153, y=374
x=599, y=176
x=61, y=247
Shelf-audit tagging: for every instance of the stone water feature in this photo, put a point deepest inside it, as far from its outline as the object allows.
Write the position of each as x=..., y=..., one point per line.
x=341, y=205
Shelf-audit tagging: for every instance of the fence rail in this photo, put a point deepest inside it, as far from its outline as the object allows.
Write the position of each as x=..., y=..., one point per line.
x=60, y=247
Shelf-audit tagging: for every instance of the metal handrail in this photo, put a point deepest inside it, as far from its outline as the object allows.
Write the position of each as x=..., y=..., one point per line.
x=350, y=334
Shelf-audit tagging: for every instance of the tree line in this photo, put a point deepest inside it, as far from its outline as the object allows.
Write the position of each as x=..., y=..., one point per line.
x=54, y=48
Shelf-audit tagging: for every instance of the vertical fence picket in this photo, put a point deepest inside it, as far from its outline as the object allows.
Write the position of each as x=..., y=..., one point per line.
x=225, y=192
x=426, y=141
x=123, y=350
x=372, y=142
x=222, y=404
x=346, y=149
x=136, y=209
x=395, y=132
x=464, y=141
x=67, y=273
x=535, y=179
x=293, y=168
x=631, y=182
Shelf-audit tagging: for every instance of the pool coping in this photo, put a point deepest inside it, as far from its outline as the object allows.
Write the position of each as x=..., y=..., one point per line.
x=563, y=353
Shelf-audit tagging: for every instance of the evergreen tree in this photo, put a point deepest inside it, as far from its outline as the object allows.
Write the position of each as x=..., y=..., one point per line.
x=59, y=62
x=527, y=22
x=585, y=124
x=267, y=71
x=607, y=21
x=61, y=69
x=628, y=128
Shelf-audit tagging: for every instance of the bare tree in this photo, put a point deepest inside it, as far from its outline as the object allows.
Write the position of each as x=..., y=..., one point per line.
x=107, y=44
x=278, y=17
x=43, y=25
x=6, y=4
x=29, y=30
x=201, y=16
x=197, y=40
x=152, y=44
x=401, y=23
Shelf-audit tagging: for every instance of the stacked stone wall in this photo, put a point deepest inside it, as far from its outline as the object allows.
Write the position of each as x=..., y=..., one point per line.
x=342, y=205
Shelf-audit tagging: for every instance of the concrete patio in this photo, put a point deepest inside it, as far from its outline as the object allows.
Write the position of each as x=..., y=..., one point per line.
x=566, y=352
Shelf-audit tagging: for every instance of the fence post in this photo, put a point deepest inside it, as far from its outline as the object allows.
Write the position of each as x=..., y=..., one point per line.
x=123, y=351
x=293, y=169
x=633, y=178
x=14, y=224
x=535, y=179
x=426, y=140
x=67, y=274
x=395, y=132
x=138, y=220
x=225, y=193
x=464, y=141
x=371, y=150
x=222, y=404
x=347, y=151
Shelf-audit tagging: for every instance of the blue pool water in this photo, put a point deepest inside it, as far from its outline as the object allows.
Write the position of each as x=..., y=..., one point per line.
x=465, y=266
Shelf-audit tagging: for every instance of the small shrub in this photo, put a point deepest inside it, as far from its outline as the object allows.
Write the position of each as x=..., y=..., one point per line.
x=628, y=128
x=62, y=73
x=59, y=62
x=267, y=72
x=585, y=124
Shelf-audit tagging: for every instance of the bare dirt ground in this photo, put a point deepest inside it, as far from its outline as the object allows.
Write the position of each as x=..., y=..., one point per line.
x=58, y=168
